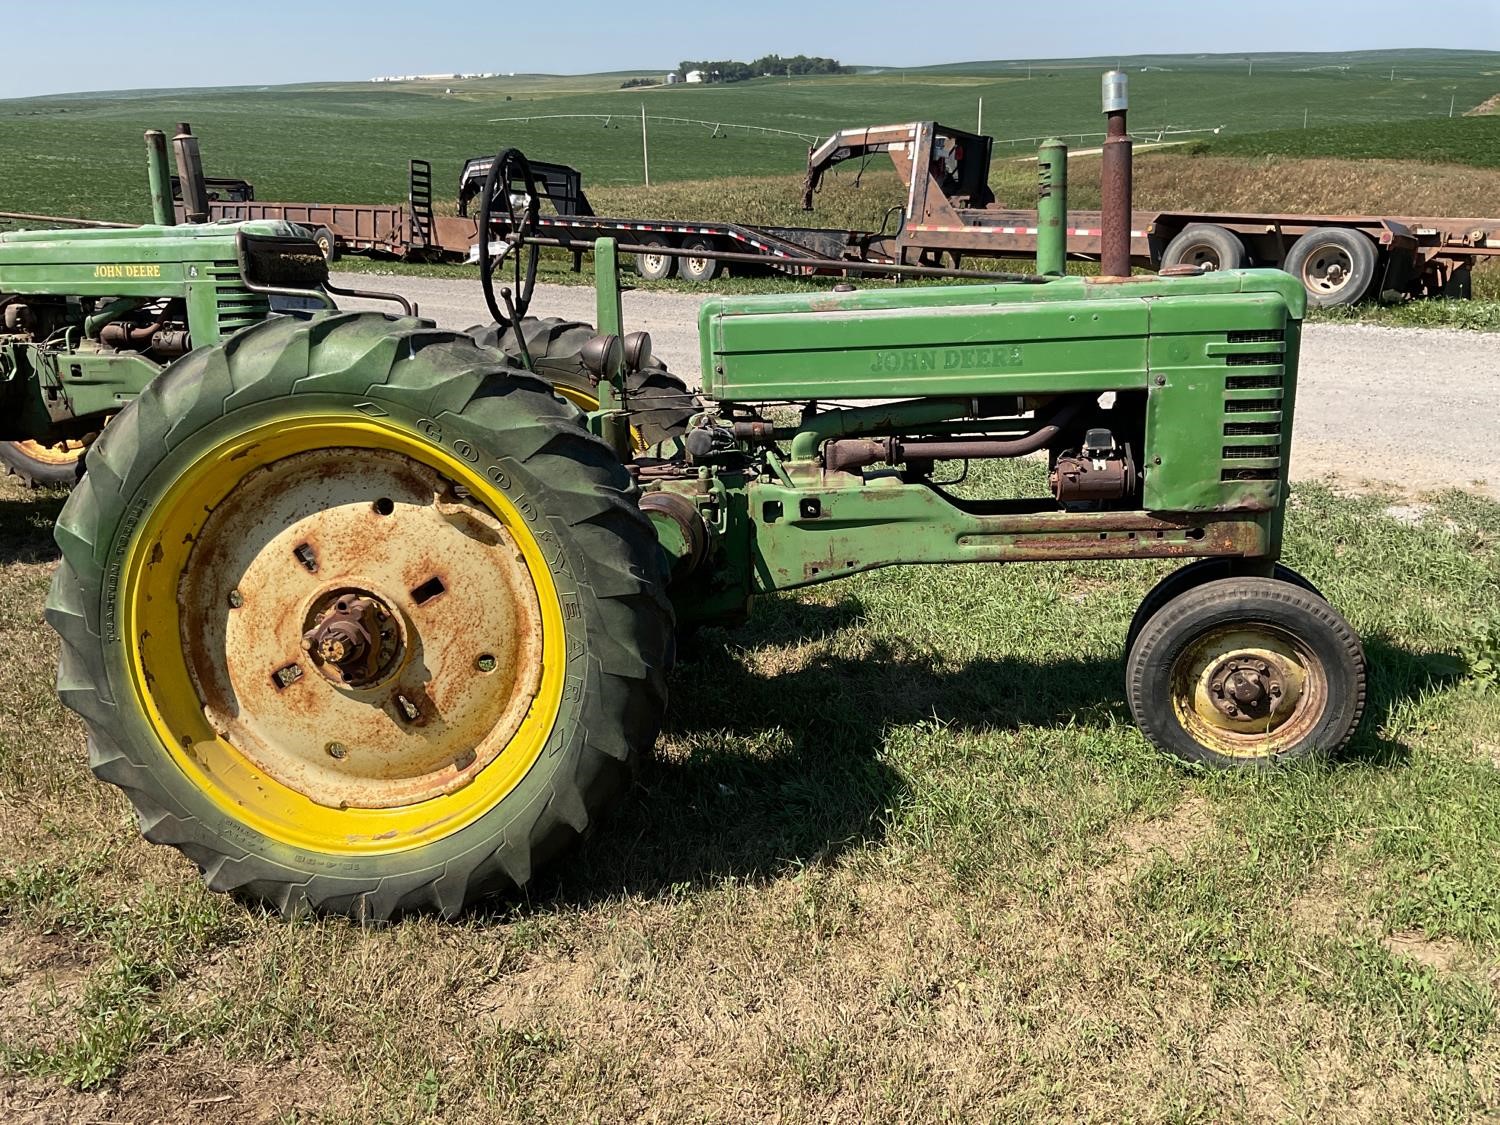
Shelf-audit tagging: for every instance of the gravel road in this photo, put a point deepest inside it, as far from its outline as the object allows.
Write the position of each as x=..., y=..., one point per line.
x=1413, y=407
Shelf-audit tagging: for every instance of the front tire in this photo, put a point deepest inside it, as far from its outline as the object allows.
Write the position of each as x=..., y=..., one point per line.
x=1246, y=673
x=266, y=504
x=43, y=466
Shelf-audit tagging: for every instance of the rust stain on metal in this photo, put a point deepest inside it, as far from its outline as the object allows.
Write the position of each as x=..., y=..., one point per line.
x=438, y=610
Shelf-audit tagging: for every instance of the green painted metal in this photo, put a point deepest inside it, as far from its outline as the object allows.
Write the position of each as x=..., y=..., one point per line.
x=68, y=377
x=162, y=212
x=1052, y=208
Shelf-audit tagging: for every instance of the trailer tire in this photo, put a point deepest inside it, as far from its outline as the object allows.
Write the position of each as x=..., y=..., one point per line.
x=699, y=270
x=328, y=243
x=1335, y=265
x=1205, y=245
x=662, y=402
x=655, y=267
x=328, y=419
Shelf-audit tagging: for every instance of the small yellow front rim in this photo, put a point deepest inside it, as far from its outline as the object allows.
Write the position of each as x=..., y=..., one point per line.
x=63, y=453
x=1275, y=722
x=162, y=682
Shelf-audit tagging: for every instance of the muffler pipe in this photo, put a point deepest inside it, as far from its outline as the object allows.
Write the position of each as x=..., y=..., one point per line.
x=190, y=175
x=1114, y=177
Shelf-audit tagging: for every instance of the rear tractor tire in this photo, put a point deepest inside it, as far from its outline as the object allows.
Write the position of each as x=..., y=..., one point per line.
x=401, y=613
x=660, y=402
x=43, y=466
x=1246, y=673
x=1206, y=245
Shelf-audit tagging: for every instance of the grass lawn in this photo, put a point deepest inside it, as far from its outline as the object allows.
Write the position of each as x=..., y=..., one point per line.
x=902, y=856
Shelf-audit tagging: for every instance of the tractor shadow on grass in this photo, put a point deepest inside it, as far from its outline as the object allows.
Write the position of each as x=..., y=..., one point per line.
x=26, y=520
x=771, y=769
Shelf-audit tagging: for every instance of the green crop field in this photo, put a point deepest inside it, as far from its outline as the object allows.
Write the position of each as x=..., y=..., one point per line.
x=1459, y=140
x=80, y=154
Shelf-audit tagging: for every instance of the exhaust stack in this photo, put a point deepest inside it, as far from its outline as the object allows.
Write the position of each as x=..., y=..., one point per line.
x=1115, y=177
x=190, y=175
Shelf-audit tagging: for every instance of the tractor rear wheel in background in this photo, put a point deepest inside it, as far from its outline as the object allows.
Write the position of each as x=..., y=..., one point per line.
x=1335, y=265
x=1245, y=673
x=43, y=466
x=1206, y=245
x=660, y=402
x=700, y=270
x=359, y=617
x=654, y=267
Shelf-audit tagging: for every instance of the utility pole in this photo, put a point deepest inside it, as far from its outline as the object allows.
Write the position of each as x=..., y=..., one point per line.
x=980, y=127
x=645, y=150
x=1304, y=118
x=1452, y=101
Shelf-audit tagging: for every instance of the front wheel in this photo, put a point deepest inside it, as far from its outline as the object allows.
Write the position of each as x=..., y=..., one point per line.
x=1245, y=673
x=360, y=618
x=41, y=465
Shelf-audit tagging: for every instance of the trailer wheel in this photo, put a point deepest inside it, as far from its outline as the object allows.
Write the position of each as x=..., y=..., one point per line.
x=1196, y=573
x=1335, y=265
x=661, y=403
x=328, y=243
x=1245, y=673
x=655, y=267
x=1205, y=245
x=359, y=618
x=43, y=466
x=700, y=270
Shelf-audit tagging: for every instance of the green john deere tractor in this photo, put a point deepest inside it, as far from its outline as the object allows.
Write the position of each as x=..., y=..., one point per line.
x=365, y=617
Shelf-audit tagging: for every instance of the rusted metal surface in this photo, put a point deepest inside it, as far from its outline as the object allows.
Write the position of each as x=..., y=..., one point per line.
x=1115, y=181
x=358, y=630
x=1248, y=690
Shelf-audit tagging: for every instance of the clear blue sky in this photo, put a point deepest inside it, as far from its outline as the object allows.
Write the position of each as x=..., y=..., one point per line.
x=68, y=45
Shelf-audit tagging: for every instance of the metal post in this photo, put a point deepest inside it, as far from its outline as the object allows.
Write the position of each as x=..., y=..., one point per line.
x=156, y=174
x=979, y=128
x=1115, y=175
x=1052, y=208
x=645, y=151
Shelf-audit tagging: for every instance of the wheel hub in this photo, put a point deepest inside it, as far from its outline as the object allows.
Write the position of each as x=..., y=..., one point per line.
x=1249, y=687
x=355, y=640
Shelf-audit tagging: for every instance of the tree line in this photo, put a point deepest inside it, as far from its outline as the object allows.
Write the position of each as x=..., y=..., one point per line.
x=728, y=70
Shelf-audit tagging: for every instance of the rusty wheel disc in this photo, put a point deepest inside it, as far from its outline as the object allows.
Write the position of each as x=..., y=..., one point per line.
x=1327, y=270
x=360, y=629
x=1247, y=691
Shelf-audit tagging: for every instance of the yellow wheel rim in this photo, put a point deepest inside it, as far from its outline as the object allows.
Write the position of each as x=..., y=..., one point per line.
x=235, y=748
x=1248, y=691
x=63, y=453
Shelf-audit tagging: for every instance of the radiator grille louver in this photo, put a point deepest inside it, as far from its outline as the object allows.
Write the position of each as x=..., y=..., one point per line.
x=1253, y=420
x=237, y=307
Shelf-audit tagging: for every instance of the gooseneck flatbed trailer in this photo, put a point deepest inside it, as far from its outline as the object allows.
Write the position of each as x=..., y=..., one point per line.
x=949, y=214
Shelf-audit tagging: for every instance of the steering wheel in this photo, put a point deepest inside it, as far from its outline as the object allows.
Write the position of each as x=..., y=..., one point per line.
x=507, y=166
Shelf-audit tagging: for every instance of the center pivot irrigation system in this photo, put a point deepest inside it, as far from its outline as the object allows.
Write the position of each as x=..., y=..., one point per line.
x=365, y=616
